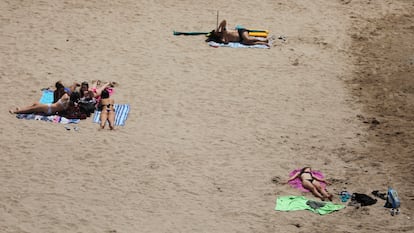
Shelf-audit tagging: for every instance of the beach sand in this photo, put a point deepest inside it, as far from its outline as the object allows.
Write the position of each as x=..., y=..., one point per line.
x=213, y=132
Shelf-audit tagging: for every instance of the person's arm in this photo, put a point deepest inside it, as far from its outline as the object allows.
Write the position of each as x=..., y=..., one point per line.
x=98, y=91
x=222, y=26
x=321, y=180
x=222, y=32
x=293, y=177
x=73, y=86
x=64, y=97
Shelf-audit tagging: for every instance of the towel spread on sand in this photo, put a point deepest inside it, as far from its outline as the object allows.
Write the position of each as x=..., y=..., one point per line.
x=52, y=118
x=47, y=97
x=236, y=45
x=292, y=203
x=121, y=114
x=297, y=183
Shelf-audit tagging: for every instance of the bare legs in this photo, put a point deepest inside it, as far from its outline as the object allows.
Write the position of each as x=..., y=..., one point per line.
x=107, y=116
x=103, y=118
x=111, y=119
x=316, y=189
x=35, y=107
x=248, y=40
x=254, y=41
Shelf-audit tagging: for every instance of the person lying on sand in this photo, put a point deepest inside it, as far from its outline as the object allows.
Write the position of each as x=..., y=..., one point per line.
x=94, y=93
x=67, y=106
x=49, y=109
x=311, y=183
x=60, y=89
x=222, y=35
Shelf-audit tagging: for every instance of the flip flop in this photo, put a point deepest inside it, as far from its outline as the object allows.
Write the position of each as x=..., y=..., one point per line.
x=376, y=193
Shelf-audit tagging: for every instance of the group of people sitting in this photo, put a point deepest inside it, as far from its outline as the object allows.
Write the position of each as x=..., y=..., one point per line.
x=78, y=101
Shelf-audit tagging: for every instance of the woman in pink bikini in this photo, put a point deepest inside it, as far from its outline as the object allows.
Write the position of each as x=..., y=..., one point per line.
x=96, y=90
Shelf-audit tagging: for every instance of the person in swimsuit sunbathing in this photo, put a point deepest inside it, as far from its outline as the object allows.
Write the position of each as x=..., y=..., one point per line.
x=312, y=183
x=222, y=35
x=106, y=106
x=96, y=90
x=48, y=109
x=59, y=92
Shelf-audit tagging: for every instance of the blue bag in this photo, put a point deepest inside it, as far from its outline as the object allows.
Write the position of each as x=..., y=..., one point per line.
x=393, y=201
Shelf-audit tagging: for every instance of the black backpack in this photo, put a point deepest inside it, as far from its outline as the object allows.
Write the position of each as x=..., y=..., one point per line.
x=363, y=199
x=87, y=108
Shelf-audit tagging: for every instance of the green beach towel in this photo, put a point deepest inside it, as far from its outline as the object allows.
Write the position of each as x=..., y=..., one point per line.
x=291, y=203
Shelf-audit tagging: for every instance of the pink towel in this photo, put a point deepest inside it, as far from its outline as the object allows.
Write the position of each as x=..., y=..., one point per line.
x=297, y=183
x=109, y=89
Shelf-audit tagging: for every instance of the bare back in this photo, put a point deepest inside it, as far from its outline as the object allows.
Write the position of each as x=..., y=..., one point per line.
x=232, y=36
x=107, y=105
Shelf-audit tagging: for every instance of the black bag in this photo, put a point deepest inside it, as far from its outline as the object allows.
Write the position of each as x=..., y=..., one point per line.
x=74, y=113
x=87, y=108
x=363, y=199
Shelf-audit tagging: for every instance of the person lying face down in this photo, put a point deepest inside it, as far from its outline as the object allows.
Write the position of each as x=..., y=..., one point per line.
x=222, y=35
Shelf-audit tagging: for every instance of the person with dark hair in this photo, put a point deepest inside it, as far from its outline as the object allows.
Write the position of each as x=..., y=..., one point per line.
x=87, y=101
x=106, y=106
x=74, y=97
x=312, y=183
x=96, y=90
x=59, y=92
x=222, y=35
x=61, y=89
x=91, y=96
x=73, y=111
x=85, y=92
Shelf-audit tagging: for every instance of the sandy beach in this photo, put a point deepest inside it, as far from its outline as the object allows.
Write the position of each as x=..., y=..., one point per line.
x=213, y=132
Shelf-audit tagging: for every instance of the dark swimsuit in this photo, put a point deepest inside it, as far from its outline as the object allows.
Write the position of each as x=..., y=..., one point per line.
x=310, y=173
x=241, y=31
x=108, y=107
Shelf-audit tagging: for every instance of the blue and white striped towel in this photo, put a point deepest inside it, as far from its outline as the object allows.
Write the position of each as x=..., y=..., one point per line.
x=121, y=114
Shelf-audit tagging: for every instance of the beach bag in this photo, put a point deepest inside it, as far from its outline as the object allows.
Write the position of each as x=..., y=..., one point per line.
x=87, y=108
x=74, y=113
x=393, y=201
x=363, y=199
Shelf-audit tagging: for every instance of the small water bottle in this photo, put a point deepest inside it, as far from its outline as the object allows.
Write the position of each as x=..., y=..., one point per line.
x=344, y=195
